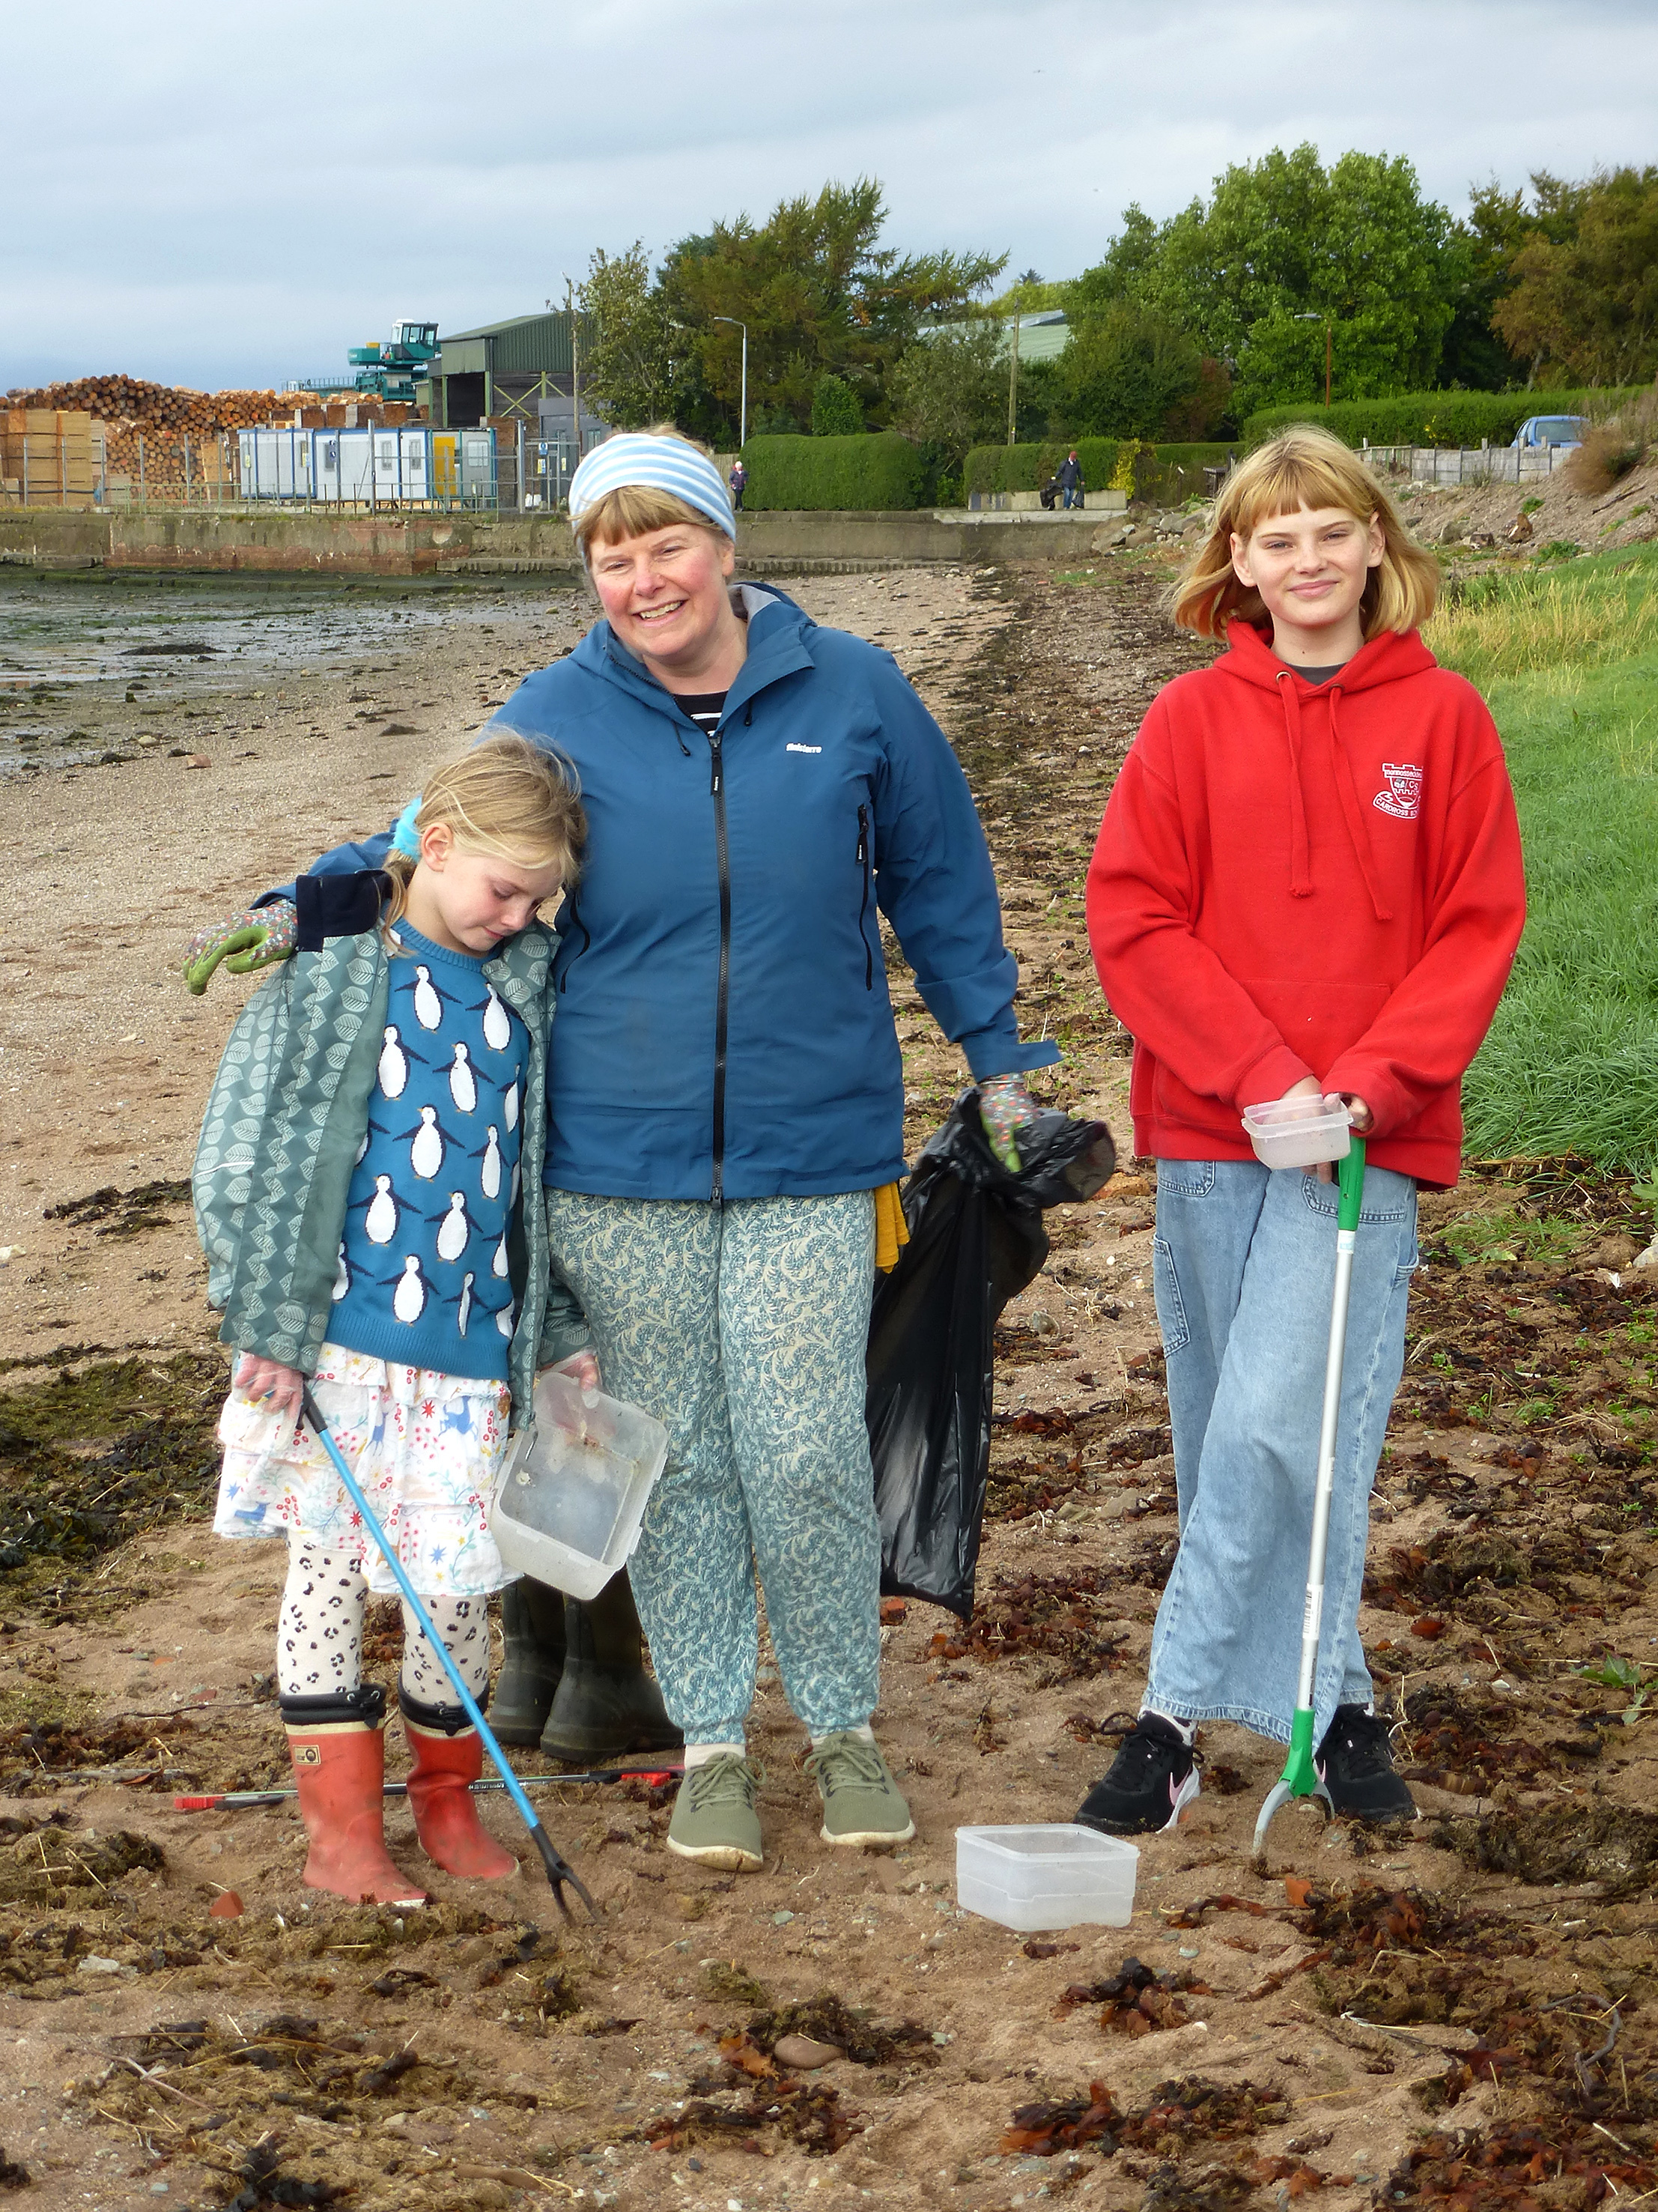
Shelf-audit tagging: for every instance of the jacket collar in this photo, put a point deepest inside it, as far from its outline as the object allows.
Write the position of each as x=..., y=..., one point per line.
x=777, y=632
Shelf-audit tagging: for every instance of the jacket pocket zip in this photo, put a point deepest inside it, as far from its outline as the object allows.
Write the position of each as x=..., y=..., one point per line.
x=863, y=903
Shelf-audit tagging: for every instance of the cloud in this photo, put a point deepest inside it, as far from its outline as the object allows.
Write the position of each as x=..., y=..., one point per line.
x=219, y=196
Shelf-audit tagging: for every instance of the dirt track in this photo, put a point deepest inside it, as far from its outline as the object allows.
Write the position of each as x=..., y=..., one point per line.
x=1490, y=1972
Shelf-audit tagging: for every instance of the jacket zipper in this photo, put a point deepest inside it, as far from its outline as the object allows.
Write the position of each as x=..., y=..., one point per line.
x=722, y=857
x=863, y=903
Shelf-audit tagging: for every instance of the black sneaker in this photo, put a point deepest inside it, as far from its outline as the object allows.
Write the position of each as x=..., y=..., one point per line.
x=1357, y=1762
x=1153, y=1780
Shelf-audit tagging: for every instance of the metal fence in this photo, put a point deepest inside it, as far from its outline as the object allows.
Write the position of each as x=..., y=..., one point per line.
x=368, y=470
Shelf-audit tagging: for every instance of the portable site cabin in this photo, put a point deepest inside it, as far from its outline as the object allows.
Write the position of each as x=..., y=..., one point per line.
x=378, y=467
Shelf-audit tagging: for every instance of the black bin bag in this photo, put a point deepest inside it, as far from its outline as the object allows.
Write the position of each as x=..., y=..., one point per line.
x=976, y=1239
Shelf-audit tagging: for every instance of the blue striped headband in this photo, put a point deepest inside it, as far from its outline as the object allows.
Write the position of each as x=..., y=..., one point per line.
x=664, y=464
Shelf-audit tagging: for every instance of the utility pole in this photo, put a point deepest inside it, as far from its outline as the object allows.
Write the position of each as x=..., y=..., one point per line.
x=1013, y=384
x=575, y=370
x=1328, y=322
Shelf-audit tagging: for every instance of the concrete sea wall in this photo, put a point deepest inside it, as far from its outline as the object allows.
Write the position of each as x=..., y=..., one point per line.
x=294, y=542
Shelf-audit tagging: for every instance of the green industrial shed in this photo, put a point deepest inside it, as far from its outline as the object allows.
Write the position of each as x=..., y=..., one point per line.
x=502, y=368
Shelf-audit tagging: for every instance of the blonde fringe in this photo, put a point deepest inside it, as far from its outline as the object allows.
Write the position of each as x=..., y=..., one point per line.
x=506, y=798
x=1303, y=469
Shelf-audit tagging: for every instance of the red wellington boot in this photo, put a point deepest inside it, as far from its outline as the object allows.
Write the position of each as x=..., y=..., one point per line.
x=340, y=1773
x=446, y=1818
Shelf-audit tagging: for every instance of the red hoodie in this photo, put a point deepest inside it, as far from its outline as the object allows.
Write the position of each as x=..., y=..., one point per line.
x=1299, y=879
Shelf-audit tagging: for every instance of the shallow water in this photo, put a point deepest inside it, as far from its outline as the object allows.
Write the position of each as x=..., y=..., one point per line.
x=79, y=653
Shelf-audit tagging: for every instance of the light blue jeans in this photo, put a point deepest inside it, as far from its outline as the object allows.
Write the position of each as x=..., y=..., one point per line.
x=1244, y=1262
x=742, y=1328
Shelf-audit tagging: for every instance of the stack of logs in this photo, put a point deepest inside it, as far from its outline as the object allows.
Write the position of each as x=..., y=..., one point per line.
x=172, y=422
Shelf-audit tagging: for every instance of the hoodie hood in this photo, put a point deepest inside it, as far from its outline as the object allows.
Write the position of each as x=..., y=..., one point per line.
x=1386, y=659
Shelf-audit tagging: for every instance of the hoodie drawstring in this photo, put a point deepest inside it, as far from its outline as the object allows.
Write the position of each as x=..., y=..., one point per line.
x=1301, y=874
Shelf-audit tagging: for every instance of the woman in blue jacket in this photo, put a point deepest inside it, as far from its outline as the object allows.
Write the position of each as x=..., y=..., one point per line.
x=727, y=1098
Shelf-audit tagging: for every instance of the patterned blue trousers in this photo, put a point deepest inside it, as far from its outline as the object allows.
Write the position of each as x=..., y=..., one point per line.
x=742, y=1328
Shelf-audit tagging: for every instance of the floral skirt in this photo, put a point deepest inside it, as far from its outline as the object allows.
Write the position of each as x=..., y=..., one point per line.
x=424, y=1448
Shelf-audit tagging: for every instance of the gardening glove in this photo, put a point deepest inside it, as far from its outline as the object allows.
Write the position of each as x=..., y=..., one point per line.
x=244, y=942
x=1005, y=1107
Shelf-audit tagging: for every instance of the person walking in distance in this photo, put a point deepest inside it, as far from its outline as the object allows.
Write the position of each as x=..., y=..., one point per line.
x=1070, y=479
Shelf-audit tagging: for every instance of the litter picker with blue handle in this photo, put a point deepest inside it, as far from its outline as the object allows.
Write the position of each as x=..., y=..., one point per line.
x=558, y=1872
x=1301, y=1777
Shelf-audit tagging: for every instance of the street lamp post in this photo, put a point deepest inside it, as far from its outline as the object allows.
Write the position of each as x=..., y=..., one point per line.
x=1326, y=321
x=742, y=418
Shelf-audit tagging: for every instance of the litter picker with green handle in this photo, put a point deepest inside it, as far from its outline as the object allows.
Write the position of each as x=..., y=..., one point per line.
x=1300, y=1777
x=559, y=1871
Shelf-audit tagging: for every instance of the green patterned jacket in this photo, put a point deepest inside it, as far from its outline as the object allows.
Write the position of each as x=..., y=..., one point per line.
x=280, y=1137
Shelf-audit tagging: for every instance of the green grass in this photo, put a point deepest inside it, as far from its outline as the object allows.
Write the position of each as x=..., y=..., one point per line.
x=1481, y=1236
x=1569, y=664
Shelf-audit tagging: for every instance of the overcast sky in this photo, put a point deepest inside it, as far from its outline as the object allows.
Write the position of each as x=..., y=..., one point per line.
x=215, y=195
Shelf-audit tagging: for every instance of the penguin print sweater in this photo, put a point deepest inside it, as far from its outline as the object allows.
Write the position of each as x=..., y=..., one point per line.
x=424, y=1278
x=283, y=1136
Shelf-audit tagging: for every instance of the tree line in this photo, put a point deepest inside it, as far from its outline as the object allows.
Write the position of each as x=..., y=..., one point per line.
x=1180, y=330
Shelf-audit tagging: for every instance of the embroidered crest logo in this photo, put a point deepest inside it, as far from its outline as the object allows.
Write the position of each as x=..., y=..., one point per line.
x=1403, y=797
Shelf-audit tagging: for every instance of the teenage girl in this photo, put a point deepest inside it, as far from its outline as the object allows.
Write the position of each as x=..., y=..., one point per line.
x=1308, y=883
x=357, y=1188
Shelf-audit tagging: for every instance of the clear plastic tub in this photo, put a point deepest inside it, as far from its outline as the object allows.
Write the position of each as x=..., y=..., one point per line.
x=572, y=1491
x=1297, y=1133
x=1053, y=1876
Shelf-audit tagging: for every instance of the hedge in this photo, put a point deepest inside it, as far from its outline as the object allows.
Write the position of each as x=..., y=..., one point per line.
x=1168, y=472
x=876, y=471
x=1431, y=418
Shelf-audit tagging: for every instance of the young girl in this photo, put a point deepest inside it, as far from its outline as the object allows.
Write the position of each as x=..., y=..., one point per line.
x=357, y=1192
x=1308, y=881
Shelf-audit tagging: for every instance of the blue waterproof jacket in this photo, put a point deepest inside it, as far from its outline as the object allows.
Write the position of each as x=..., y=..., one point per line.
x=724, y=1029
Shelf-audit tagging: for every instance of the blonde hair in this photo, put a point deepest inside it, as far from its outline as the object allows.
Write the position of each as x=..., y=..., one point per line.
x=632, y=510
x=1303, y=468
x=506, y=798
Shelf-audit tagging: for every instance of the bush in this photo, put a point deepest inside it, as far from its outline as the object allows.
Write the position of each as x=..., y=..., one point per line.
x=1611, y=449
x=876, y=472
x=1168, y=473
x=836, y=410
x=1430, y=418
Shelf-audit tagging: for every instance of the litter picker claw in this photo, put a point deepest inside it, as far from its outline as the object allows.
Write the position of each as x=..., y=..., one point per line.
x=558, y=1872
x=1301, y=1777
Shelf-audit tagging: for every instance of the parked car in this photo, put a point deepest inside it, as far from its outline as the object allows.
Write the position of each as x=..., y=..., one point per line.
x=1553, y=430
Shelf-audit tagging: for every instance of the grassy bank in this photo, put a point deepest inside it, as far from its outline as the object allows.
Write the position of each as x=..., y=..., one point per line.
x=1568, y=660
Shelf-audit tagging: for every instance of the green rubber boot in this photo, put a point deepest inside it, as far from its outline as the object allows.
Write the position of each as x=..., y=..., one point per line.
x=605, y=1704
x=533, y=1627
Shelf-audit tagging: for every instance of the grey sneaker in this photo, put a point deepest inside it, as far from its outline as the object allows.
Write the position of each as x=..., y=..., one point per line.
x=714, y=1821
x=861, y=1801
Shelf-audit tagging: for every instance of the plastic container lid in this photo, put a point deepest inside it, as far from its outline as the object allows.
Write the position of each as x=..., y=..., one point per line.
x=571, y=1494
x=1050, y=1877
x=1297, y=1133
